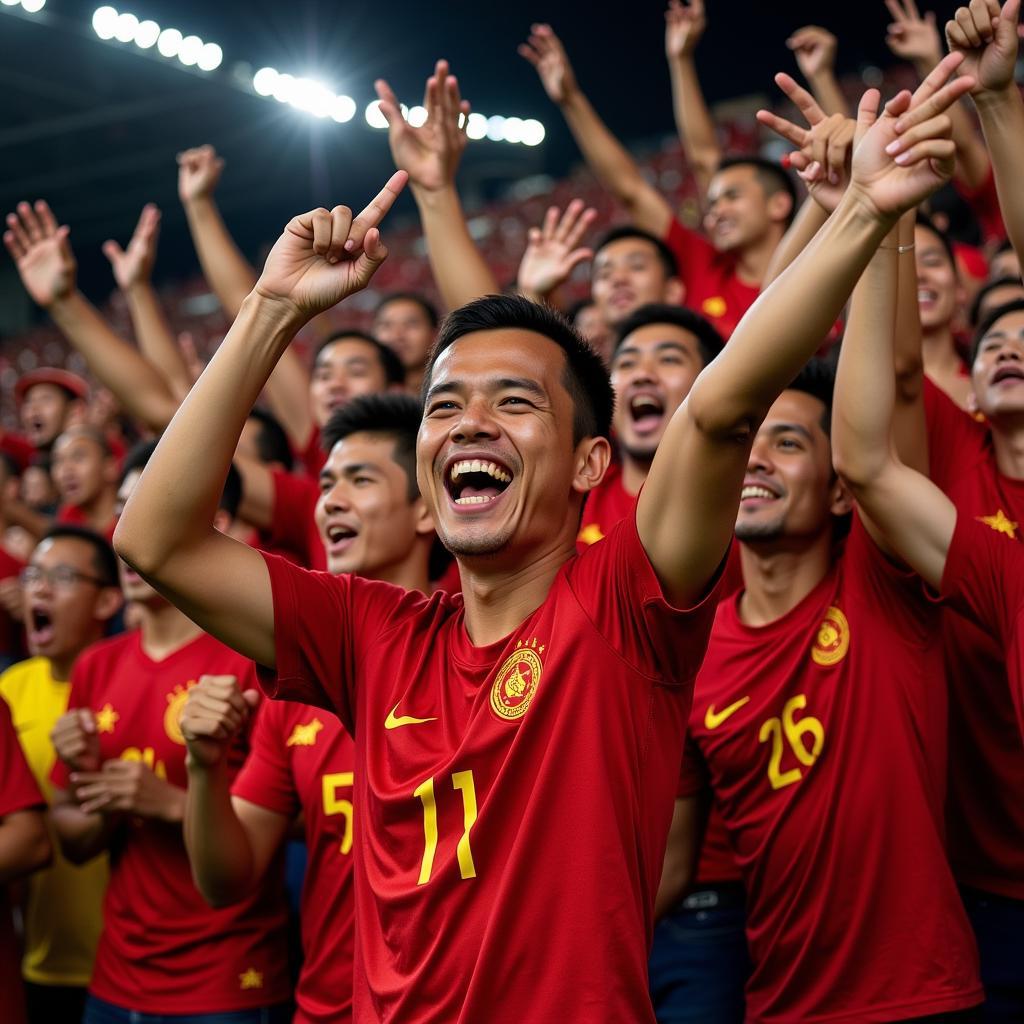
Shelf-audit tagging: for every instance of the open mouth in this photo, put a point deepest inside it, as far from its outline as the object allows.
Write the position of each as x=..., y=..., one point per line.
x=646, y=412
x=340, y=537
x=476, y=481
x=1008, y=373
x=927, y=297
x=40, y=627
x=755, y=495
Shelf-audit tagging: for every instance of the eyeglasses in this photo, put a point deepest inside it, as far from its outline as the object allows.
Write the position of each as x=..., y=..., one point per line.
x=62, y=576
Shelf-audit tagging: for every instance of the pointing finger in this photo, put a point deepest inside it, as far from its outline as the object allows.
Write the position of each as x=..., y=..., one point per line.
x=375, y=211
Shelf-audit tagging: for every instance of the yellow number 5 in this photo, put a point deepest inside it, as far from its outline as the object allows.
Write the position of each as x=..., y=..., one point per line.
x=333, y=804
x=463, y=782
x=794, y=731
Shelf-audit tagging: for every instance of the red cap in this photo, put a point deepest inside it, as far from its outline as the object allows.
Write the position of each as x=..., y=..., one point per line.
x=74, y=385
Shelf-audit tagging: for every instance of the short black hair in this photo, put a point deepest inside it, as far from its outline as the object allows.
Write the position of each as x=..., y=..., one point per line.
x=585, y=376
x=986, y=290
x=103, y=558
x=922, y=220
x=271, y=441
x=771, y=176
x=139, y=456
x=666, y=256
x=392, y=415
x=818, y=379
x=394, y=372
x=709, y=341
x=429, y=309
x=986, y=325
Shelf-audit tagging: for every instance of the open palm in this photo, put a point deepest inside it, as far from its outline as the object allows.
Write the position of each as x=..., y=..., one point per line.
x=135, y=264
x=41, y=253
x=545, y=52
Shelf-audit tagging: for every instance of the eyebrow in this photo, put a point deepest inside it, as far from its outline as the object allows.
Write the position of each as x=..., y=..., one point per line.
x=661, y=346
x=502, y=384
x=327, y=475
x=790, y=428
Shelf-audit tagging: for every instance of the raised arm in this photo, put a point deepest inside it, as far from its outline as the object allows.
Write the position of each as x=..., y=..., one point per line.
x=133, y=269
x=987, y=37
x=916, y=39
x=232, y=278
x=430, y=155
x=47, y=268
x=612, y=165
x=684, y=26
x=815, y=50
x=553, y=251
x=230, y=842
x=166, y=531
x=685, y=529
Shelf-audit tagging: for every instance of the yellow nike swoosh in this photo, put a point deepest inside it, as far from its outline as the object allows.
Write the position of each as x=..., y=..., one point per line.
x=713, y=719
x=391, y=722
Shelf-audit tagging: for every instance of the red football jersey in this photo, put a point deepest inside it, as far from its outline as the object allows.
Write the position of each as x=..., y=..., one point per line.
x=514, y=799
x=984, y=578
x=302, y=760
x=986, y=837
x=19, y=792
x=294, y=522
x=74, y=516
x=312, y=457
x=713, y=288
x=607, y=504
x=12, y=634
x=823, y=736
x=163, y=949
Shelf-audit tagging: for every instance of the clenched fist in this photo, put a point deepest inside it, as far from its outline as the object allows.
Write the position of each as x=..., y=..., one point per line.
x=215, y=712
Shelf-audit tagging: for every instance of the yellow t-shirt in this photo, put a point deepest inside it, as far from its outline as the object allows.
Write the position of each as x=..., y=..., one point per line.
x=65, y=903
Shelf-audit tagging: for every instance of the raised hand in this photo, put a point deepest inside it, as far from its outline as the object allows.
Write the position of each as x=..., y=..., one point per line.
x=199, y=171
x=911, y=37
x=987, y=38
x=431, y=153
x=76, y=740
x=324, y=255
x=684, y=26
x=41, y=253
x=825, y=146
x=134, y=265
x=128, y=787
x=905, y=153
x=553, y=250
x=545, y=52
x=815, y=50
x=215, y=712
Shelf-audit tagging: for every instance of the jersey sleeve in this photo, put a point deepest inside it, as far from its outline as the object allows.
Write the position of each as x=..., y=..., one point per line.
x=295, y=499
x=19, y=791
x=984, y=577
x=321, y=623
x=691, y=250
x=619, y=591
x=955, y=439
x=693, y=772
x=266, y=777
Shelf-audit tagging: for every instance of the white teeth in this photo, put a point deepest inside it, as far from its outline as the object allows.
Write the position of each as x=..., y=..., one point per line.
x=476, y=499
x=479, y=466
x=755, y=492
x=645, y=401
x=925, y=295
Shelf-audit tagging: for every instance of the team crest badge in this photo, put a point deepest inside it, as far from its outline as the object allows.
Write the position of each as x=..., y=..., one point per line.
x=1001, y=523
x=833, y=639
x=517, y=680
x=175, y=706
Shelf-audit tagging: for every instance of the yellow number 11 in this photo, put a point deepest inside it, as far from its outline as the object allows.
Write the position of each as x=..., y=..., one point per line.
x=462, y=781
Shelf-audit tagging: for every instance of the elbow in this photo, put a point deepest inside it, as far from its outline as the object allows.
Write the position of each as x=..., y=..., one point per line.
x=720, y=418
x=221, y=892
x=130, y=546
x=859, y=470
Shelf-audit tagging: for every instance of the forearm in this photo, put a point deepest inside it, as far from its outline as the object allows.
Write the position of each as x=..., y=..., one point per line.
x=614, y=168
x=17, y=513
x=116, y=364
x=82, y=836
x=972, y=160
x=1002, y=122
x=226, y=270
x=174, y=504
x=694, y=124
x=155, y=339
x=218, y=846
x=805, y=226
x=782, y=330
x=828, y=94
x=24, y=845
x=459, y=269
x=257, y=504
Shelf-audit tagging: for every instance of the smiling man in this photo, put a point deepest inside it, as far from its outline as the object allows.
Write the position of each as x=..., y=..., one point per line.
x=498, y=732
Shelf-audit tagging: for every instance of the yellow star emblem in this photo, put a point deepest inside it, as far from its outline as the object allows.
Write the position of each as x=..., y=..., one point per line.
x=714, y=306
x=590, y=534
x=305, y=735
x=250, y=978
x=1001, y=523
x=106, y=718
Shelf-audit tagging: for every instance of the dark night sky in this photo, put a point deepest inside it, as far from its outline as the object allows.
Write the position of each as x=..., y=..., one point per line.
x=58, y=81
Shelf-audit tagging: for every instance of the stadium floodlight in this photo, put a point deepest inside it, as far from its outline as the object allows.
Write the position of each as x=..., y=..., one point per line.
x=210, y=57
x=374, y=118
x=188, y=52
x=104, y=22
x=264, y=81
x=417, y=116
x=343, y=109
x=284, y=88
x=10, y=3
x=169, y=42
x=33, y=6
x=125, y=27
x=533, y=132
x=496, y=128
x=476, y=128
x=313, y=97
x=512, y=129
x=147, y=34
